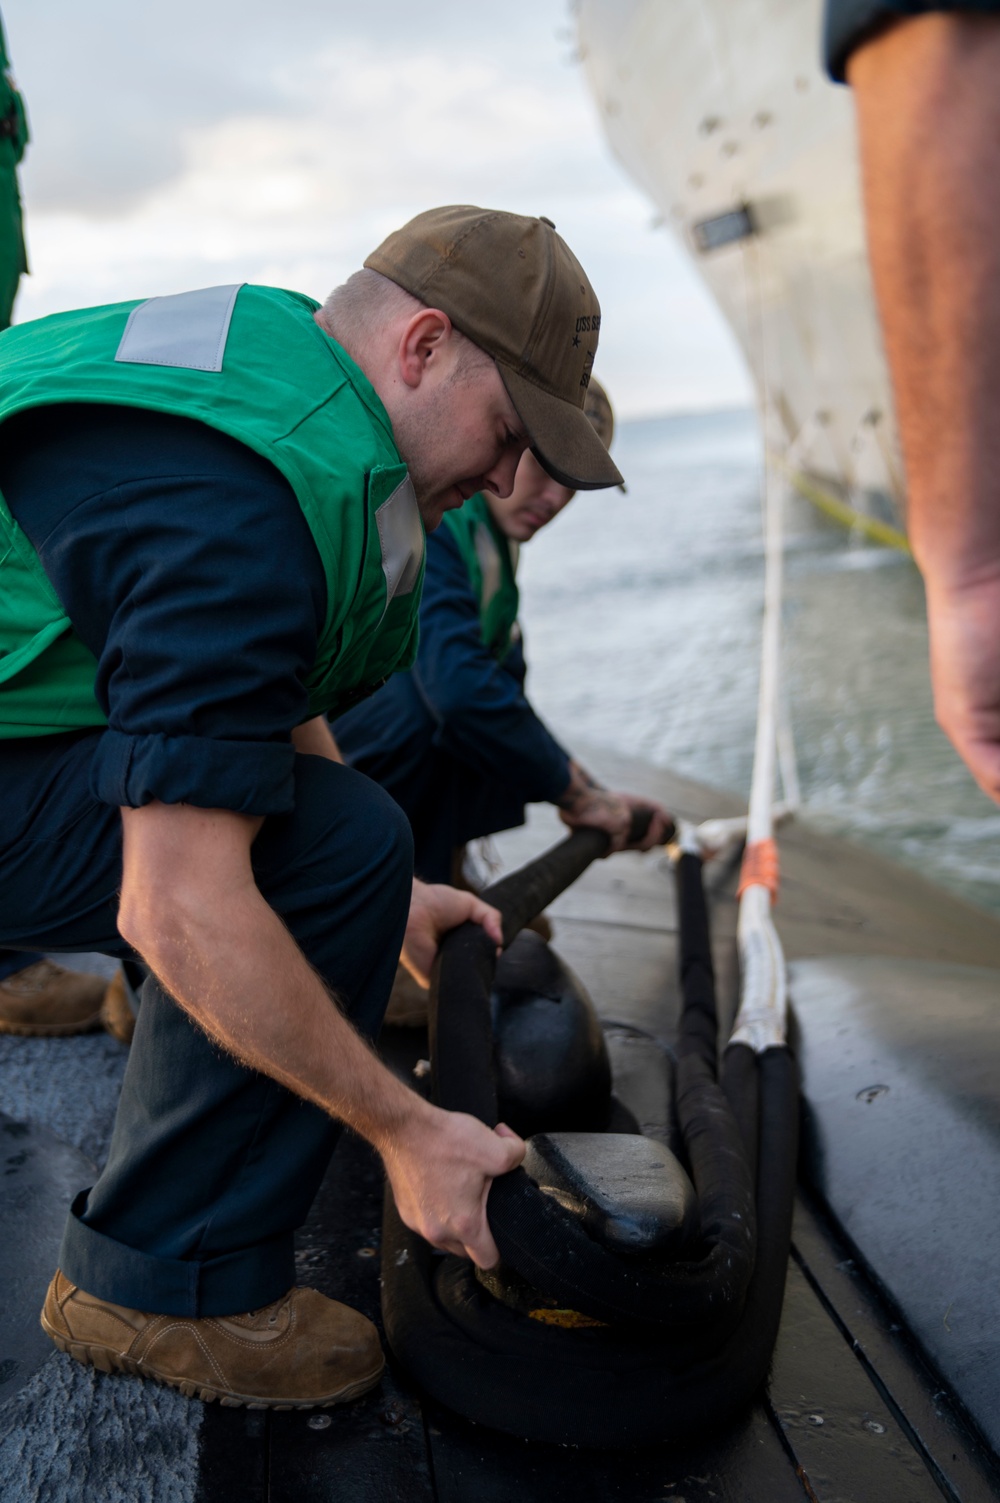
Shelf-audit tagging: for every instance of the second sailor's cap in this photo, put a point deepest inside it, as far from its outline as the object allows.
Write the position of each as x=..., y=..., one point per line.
x=514, y=287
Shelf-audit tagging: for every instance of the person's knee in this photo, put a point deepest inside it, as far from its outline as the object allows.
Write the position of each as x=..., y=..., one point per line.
x=392, y=845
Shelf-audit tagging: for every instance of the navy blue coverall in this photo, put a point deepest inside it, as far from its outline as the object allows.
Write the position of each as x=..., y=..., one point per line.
x=161, y=537
x=454, y=739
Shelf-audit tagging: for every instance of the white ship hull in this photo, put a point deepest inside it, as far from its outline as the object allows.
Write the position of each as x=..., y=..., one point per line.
x=720, y=111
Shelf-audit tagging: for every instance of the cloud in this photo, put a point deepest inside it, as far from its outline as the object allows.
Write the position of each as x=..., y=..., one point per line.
x=189, y=146
x=113, y=105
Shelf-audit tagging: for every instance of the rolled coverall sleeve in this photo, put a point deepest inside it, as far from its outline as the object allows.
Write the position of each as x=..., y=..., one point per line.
x=185, y=564
x=482, y=715
x=850, y=22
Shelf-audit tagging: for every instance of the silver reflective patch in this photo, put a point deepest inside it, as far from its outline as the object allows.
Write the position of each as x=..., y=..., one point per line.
x=187, y=329
x=402, y=540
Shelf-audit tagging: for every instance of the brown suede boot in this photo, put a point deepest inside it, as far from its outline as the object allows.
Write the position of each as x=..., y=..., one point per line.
x=48, y=1001
x=304, y=1351
x=116, y=1012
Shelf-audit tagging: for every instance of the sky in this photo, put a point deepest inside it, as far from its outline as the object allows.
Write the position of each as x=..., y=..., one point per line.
x=208, y=141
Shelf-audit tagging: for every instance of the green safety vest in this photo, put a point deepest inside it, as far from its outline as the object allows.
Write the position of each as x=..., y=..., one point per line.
x=13, y=139
x=491, y=561
x=252, y=362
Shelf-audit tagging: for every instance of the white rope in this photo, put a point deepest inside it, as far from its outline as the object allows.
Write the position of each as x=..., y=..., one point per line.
x=711, y=837
x=761, y=1020
x=760, y=822
x=787, y=763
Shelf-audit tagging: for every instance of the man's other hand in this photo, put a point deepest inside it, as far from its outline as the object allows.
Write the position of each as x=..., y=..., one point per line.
x=440, y=1166
x=586, y=804
x=434, y=910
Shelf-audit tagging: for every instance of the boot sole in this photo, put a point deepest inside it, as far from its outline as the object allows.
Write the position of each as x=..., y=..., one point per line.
x=107, y=1361
x=51, y=1030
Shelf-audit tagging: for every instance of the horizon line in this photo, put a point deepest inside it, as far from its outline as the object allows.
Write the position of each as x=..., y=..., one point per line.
x=681, y=412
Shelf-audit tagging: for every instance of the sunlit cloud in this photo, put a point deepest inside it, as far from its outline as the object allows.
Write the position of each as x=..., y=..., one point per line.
x=286, y=157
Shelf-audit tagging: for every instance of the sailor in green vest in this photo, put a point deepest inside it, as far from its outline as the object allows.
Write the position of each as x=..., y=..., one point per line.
x=36, y=995
x=213, y=522
x=454, y=739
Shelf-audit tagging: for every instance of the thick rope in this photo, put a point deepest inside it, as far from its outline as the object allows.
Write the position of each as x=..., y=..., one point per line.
x=761, y=1020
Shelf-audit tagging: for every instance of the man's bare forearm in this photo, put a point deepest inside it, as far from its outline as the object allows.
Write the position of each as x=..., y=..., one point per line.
x=190, y=906
x=928, y=99
x=227, y=958
x=929, y=115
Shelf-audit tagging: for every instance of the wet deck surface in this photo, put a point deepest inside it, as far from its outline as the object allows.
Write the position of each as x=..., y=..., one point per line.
x=854, y=1411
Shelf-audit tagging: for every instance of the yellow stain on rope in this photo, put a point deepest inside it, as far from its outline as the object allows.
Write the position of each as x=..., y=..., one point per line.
x=568, y=1320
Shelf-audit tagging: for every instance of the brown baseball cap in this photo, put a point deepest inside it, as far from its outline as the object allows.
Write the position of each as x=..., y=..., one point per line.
x=600, y=413
x=514, y=287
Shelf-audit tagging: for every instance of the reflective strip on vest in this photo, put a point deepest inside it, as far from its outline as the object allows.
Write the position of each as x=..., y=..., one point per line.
x=401, y=537
x=187, y=329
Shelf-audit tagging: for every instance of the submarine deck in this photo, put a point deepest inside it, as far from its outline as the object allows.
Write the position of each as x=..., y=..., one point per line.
x=880, y=1387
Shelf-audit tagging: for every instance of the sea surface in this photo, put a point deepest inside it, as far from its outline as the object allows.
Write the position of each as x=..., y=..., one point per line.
x=642, y=616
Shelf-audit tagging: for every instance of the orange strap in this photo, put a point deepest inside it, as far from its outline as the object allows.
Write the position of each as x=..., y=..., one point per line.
x=760, y=868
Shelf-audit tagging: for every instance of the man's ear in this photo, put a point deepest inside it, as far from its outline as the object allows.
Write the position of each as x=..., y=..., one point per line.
x=423, y=345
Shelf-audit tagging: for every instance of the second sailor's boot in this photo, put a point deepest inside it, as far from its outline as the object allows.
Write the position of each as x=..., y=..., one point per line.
x=116, y=1010
x=45, y=1000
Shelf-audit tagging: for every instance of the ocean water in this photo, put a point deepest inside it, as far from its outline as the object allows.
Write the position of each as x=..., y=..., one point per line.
x=642, y=616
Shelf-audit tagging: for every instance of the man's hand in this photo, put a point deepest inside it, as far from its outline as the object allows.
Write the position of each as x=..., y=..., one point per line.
x=433, y=911
x=586, y=803
x=440, y=1166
